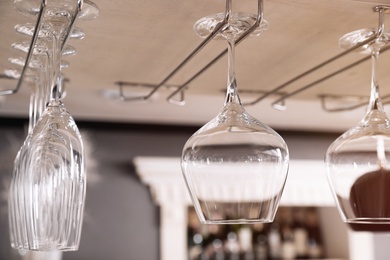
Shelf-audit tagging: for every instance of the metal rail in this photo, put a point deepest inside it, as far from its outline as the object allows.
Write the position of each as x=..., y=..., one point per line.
x=216, y=31
x=259, y=18
x=381, y=9
x=38, y=24
x=357, y=101
x=180, y=89
x=283, y=95
x=123, y=84
x=279, y=103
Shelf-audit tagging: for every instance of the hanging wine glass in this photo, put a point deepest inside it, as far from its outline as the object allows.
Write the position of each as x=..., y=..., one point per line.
x=56, y=180
x=18, y=235
x=50, y=180
x=235, y=167
x=358, y=165
x=37, y=77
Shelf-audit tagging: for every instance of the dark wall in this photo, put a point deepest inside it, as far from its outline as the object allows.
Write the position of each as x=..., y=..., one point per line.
x=11, y=136
x=121, y=221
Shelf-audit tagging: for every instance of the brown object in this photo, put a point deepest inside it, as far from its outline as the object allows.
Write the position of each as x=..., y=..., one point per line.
x=370, y=199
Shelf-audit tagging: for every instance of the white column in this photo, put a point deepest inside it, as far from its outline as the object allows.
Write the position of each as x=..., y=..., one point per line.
x=381, y=243
x=173, y=234
x=361, y=246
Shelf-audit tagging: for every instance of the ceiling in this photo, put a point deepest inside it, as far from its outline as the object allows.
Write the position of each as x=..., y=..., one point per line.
x=145, y=40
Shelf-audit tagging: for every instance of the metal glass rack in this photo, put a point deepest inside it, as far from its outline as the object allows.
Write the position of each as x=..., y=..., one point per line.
x=279, y=103
x=181, y=88
x=40, y=21
x=279, y=91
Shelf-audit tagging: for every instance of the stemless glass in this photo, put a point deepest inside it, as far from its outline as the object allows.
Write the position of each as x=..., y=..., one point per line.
x=357, y=162
x=235, y=167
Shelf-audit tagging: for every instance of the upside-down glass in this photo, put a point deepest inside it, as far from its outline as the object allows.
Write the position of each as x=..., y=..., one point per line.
x=41, y=57
x=18, y=237
x=357, y=162
x=235, y=167
x=56, y=181
x=51, y=178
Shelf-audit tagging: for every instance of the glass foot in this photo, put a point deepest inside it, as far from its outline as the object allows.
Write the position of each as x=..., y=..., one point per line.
x=351, y=39
x=238, y=22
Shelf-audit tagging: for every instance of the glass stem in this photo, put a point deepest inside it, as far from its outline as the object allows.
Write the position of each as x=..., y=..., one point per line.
x=376, y=104
x=45, y=82
x=232, y=91
x=375, y=99
x=42, y=86
x=56, y=69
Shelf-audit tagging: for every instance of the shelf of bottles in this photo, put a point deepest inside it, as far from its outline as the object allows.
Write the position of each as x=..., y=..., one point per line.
x=295, y=234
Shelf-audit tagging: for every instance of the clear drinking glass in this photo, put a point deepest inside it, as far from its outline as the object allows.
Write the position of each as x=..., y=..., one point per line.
x=38, y=79
x=235, y=166
x=49, y=183
x=56, y=181
x=357, y=162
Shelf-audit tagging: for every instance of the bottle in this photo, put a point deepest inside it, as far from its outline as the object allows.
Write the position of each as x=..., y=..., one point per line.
x=195, y=247
x=245, y=240
x=261, y=247
x=232, y=246
x=301, y=242
x=301, y=236
x=218, y=252
x=315, y=249
x=288, y=250
x=274, y=241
